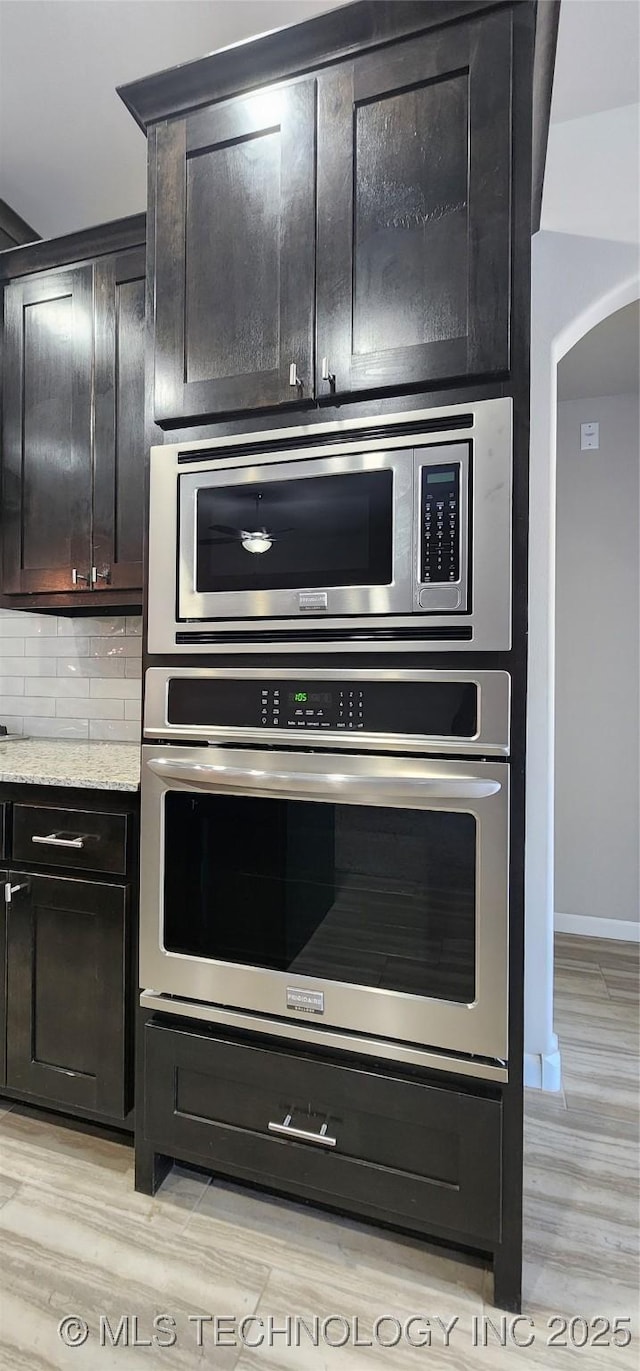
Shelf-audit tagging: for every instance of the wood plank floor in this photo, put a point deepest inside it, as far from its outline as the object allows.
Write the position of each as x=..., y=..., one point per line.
x=75, y=1239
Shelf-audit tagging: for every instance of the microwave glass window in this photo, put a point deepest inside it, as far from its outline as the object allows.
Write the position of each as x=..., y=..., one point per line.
x=361, y=894
x=312, y=532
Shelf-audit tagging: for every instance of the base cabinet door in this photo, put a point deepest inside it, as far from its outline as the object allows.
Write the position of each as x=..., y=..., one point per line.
x=234, y=254
x=414, y=167
x=66, y=984
x=3, y=979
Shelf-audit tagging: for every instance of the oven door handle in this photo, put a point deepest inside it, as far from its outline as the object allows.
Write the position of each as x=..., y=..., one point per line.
x=327, y=784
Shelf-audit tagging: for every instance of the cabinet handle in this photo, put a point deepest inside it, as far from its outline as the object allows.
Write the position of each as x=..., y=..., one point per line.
x=286, y=1129
x=294, y=379
x=52, y=840
x=78, y=576
x=11, y=890
x=326, y=374
x=100, y=575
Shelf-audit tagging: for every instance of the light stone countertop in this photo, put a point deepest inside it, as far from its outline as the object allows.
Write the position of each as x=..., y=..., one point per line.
x=87, y=766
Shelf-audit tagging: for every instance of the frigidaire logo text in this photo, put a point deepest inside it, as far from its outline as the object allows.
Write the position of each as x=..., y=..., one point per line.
x=305, y=1001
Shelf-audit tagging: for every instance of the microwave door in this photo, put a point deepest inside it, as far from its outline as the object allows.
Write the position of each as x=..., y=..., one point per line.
x=302, y=538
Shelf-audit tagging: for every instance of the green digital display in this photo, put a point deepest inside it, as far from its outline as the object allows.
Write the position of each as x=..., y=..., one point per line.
x=300, y=697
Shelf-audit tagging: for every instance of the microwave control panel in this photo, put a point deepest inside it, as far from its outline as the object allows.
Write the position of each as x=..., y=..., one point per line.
x=440, y=524
x=442, y=708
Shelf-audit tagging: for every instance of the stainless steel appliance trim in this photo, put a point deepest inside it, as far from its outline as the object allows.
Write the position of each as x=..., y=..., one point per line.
x=492, y=734
x=491, y=519
x=287, y=1130
x=331, y=786
x=479, y=1027
x=354, y=599
x=323, y=1037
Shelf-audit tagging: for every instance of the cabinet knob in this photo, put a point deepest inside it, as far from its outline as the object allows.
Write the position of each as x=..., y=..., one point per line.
x=100, y=575
x=294, y=379
x=78, y=576
x=326, y=374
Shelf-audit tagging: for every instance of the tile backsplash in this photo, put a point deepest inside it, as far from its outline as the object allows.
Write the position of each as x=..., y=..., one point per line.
x=71, y=678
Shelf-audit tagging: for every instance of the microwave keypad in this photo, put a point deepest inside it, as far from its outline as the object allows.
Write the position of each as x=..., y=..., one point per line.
x=440, y=520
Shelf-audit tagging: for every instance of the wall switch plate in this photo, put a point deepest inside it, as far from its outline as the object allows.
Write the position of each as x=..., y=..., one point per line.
x=589, y=437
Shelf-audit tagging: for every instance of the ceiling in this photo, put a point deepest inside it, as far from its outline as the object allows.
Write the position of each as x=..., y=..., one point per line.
x=606, y=361
x=71, y=155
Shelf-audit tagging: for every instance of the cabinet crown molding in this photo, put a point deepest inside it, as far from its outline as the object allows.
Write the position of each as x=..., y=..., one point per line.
x=286, y=52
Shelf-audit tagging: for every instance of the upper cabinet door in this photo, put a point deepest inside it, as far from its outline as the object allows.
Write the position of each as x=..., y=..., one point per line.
x=414, y=173
x=120, y=438
x=235, y=255
x=46, y=491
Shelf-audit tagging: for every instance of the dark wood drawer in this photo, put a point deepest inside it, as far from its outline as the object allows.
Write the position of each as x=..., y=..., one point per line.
x=4, y=813
x=80, y=839
x=420, y=1155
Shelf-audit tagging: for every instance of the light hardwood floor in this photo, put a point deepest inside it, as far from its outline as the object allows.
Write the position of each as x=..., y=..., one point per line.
x=75, y=1239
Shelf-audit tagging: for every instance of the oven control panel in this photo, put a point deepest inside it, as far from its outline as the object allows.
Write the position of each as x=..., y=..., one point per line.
x=440, y=524
x=442, y=708
x=312, y=707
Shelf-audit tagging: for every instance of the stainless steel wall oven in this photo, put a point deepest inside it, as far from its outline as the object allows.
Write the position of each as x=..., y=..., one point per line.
x=387, y=534
x=325, y=857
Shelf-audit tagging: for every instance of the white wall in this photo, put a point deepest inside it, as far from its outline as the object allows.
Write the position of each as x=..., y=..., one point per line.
x=597, y=818
x=71, y=678
x=576, y=282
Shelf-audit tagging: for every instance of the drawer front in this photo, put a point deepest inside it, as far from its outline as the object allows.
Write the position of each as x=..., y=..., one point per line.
x=77, y=838
x=4, y=813
x=403, y=1151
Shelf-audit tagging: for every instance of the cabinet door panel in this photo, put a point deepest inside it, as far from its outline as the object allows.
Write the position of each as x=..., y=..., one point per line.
x=234, y=254
x=66, y=983
x=48, y=346
x=3, y=980
x=413, y=210
x=120, y=438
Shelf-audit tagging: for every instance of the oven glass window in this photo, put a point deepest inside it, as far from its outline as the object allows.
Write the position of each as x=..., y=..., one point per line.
x=372, y=896
x=311, y=532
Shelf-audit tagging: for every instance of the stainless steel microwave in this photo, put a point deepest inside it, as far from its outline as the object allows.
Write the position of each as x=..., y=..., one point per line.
x=394, y=534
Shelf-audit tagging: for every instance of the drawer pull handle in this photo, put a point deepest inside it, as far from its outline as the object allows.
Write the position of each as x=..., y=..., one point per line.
x=286, y=1129
x=53, y=840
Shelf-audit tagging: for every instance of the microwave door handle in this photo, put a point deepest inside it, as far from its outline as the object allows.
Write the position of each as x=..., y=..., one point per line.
x=328, y=784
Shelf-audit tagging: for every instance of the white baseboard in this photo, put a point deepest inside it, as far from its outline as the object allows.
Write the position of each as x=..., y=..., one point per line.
x=584, y=926
x=543, y=1072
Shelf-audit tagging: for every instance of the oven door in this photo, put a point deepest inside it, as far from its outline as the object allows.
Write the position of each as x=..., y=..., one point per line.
x=282, y=539
x=366, y=894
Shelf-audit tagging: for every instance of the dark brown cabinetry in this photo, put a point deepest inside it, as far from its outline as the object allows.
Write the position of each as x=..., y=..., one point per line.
x=67, y=952
x=66, y=981
x=402, y=274
x=235, y=254
x=426, y=1154
x=413, y=211
x=73, y=427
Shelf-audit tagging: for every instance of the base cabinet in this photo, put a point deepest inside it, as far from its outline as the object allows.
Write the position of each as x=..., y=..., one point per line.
x=66, y=991
x=401, y=1150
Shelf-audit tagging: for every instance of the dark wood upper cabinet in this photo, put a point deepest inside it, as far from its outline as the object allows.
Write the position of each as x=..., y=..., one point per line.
x=399, y=123
x=118, y=492
x=413, y=250
x=234, y=254
x=74, y=438
x=46, y=498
